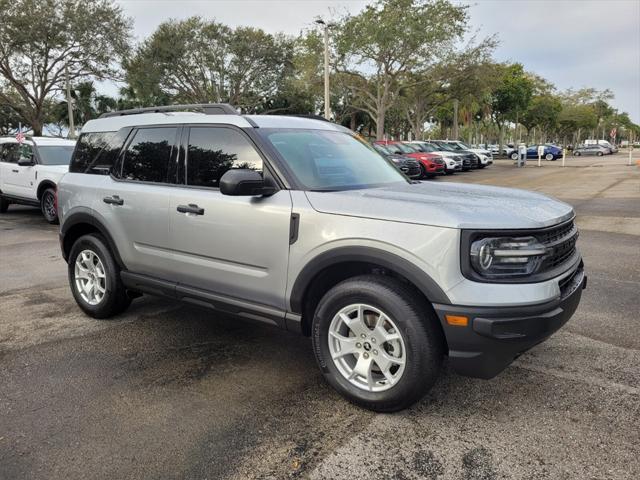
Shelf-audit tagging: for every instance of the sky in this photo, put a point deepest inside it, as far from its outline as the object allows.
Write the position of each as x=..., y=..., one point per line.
x=571, y=43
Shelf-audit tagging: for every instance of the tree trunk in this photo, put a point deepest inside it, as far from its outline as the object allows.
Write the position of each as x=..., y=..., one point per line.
x=500, y=138
x=353, y=125
x=455, y=133
x=380, y=124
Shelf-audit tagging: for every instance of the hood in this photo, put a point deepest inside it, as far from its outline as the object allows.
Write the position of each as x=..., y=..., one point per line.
x=452, y=205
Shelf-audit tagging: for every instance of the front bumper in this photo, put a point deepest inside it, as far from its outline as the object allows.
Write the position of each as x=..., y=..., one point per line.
x=495, y=336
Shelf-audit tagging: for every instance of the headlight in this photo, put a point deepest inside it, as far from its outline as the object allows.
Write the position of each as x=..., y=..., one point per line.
x=505, y=257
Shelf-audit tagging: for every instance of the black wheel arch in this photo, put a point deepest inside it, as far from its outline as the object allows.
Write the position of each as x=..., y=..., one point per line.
x=43, y=186
x=82, y=223
x=340, y=263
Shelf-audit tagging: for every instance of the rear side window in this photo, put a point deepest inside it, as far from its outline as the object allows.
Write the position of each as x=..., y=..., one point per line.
x=214, y=150
x=96, y=152
x=147, y=156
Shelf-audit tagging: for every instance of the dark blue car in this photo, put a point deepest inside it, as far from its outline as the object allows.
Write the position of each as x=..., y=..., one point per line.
x=551, y=152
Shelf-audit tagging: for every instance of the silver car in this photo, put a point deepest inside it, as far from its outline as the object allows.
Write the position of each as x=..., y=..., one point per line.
x=300, y=224
x=598, y=150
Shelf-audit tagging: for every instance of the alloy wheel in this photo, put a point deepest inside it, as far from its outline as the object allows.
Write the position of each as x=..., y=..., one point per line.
x=367, y=348
x=90, y=277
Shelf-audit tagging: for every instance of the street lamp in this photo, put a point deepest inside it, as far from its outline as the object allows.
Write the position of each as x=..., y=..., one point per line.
x=327, y=108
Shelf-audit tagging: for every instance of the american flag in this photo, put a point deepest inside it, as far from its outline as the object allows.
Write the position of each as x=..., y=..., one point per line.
x=20, y=137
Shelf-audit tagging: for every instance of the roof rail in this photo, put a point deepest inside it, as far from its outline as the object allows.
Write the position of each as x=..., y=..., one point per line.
x=207, y=108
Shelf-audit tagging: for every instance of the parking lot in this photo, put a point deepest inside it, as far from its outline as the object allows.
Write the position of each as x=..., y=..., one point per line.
x=171, y=391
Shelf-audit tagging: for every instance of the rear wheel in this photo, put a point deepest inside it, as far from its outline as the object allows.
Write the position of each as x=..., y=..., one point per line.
x=48, y=206
x=94, y=278
x=600, y=154
x=577, y=154
x=549, y=156
x=376, y=342
x=514, y=156
x=4, y=205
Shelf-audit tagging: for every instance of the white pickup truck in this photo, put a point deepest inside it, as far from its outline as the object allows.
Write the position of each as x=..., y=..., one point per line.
x=30, y=171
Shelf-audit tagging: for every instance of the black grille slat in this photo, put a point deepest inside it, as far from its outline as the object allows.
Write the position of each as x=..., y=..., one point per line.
x=562, y=244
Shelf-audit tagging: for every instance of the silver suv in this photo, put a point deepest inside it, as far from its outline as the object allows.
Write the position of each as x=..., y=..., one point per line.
x=298, y=223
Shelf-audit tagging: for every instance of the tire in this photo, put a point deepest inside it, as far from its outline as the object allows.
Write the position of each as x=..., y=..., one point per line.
x=114, y=299
x=48, y=206
x=420, y=342
x=600, y=154
x=549, y=157
x=577, y=154
x=4, y=205
x=514, y=156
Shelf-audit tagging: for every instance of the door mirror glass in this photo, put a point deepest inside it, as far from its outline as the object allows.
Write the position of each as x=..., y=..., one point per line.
x=244, y=182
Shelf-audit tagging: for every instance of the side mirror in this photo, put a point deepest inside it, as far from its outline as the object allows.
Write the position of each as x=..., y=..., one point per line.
x=244, y=182
x=26, y=161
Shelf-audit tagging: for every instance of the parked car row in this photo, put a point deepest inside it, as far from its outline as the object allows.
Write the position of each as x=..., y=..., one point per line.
x=435, y=157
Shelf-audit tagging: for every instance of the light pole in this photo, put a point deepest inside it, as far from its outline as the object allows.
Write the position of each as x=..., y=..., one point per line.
x=327, y=107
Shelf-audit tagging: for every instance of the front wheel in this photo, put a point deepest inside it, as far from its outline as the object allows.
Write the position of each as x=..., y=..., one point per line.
x=377, y=343
x=514, y=156
x=577, y=154
x=549, y=157
x=48, y=206
x=94, y=278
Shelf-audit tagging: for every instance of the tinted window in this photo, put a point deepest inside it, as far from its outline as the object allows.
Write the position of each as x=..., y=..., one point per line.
x=214, y=150
x=147, y=156
x=9, y=153
x=329, y=160
x=97, y=152
x=55, y=155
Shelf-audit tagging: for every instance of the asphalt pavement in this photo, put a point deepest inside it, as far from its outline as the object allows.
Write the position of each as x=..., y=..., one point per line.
x=170, y=391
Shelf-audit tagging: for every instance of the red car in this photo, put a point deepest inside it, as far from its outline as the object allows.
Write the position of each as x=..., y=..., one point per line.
x=430, y=163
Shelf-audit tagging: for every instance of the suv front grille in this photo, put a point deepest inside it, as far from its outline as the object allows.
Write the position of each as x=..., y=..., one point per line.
x=561, y=242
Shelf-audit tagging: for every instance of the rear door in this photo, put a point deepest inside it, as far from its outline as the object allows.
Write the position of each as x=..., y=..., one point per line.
x=237, y=247
x=133, y=202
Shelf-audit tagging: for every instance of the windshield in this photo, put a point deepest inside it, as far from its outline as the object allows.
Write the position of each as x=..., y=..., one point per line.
x=463, y=146
x=56, y=155
x=405, y=148
x=445, y=146
x=427, y=147
x=381, y=149
x=329, y=160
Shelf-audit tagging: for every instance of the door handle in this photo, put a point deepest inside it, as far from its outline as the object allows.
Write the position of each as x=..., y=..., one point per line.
x=113, y=200
x=15, y=171
x=191, y=208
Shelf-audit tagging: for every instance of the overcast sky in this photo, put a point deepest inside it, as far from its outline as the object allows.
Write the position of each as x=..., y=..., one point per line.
x=572, y=43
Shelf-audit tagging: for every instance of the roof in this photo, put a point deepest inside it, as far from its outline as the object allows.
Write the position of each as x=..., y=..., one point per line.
x=40, y=141
x=114, y=123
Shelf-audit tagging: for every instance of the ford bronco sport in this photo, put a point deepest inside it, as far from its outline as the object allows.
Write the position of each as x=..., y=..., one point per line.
x=298, y=223
x=30, y=171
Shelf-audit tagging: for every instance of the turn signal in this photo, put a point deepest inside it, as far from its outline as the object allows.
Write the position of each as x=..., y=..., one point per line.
x=457, y=320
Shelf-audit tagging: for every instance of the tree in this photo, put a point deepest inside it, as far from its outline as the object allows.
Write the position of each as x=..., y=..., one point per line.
x=575, y=118
x=389, y=39
x=542, y=112
x=199, y=61
x=39, y=39
x=511, y=97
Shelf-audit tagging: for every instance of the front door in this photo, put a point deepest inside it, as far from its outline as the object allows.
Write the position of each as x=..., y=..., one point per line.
x=237, y=247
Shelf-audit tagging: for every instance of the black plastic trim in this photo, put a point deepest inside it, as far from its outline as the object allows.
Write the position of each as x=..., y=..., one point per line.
x=77, y=218
x=294, y=227
x=203, y=298
x=20, y=200
x=375, y=256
